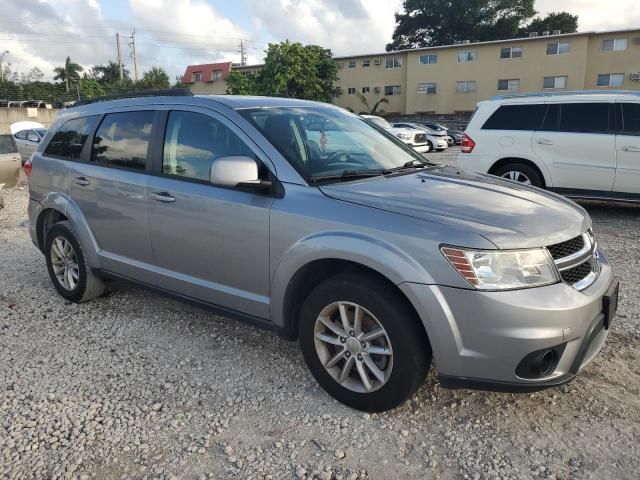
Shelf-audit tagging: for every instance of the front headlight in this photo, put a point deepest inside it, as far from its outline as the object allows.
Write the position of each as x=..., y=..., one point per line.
x=503, y=270
x=404, y=136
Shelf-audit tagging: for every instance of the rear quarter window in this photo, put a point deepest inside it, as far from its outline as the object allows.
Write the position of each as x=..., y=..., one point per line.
x=70, y=138
x=7, y=145
x=516, y=117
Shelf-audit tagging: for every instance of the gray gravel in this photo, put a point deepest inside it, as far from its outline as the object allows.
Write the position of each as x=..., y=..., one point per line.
x=134, y=385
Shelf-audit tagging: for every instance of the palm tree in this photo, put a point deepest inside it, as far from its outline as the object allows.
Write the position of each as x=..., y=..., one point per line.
x=69, y=73
x=155, y=78
x=375, y=109
x=110, y=74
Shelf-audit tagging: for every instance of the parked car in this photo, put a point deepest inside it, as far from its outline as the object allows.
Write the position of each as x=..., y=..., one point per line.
x=582, y=145
x=437, y=127
x=28, y=140
x=375, y=259
x=9, y=162
x=456, y=135
x=436, y=140
x=416, y=140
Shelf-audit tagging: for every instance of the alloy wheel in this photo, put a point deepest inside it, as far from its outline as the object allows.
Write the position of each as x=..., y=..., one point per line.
x=517, y=176
x=64, y=263
x=353, y=346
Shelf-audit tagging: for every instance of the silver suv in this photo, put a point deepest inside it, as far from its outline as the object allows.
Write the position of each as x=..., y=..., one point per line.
x=322, y=227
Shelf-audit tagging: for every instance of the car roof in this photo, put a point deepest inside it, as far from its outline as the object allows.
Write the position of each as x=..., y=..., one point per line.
x=581, y=95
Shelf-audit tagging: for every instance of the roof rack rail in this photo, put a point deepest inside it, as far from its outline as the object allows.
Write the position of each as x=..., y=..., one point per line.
x=561, y=94
x=168, y=92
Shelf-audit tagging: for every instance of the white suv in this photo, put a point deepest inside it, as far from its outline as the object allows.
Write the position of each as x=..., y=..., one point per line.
x=580, y=144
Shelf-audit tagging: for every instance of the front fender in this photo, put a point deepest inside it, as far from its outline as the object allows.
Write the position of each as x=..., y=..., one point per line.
x=62, y=203
x=386, y=259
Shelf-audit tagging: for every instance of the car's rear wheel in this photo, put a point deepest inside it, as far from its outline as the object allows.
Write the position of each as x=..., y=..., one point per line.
x=521, y=173
x=68, y=270
x=363, y=343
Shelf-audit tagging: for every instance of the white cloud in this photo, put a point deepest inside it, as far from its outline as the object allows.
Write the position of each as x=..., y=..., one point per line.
x=596, y=15
x=345, y=26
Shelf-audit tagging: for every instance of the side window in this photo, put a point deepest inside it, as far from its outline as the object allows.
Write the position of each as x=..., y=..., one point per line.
x=193, y=141
x=516, y=117
x=584, y=118
x=630, y=119
x=550, y=122
x=22, y=135
x=33, y=136
x=70, y=138
x=122, y=140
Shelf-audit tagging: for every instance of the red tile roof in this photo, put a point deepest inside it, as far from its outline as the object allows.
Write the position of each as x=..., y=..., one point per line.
x=206, y=70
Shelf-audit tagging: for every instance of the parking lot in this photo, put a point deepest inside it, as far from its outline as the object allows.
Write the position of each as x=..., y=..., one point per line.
x=135, y=385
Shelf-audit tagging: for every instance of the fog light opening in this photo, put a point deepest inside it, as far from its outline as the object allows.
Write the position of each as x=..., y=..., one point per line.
x=547, y=363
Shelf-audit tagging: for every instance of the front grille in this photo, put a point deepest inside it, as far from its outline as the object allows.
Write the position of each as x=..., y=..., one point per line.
x=575, y=274
x=420, y=138
x=564, y=249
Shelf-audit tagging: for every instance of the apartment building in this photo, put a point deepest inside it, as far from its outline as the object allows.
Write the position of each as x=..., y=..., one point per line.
x=453, y=78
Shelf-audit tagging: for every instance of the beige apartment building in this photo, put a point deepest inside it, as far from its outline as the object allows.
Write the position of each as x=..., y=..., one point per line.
x=453, y=78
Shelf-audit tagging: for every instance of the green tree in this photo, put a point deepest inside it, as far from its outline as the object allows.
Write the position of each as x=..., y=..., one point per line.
x=109, y=74
x=90, y=88
x=296, y=71
x=372, y=110
x=33, y=75
x=563, y=21
x=238, y=84
x=156, y=77
x=425, y=23
x=69, y=73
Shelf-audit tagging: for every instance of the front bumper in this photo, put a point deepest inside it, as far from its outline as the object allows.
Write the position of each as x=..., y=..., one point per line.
x=479, y=338
x=421, y=148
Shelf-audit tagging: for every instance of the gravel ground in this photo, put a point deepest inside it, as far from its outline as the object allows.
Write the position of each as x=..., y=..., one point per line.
x=134, y=385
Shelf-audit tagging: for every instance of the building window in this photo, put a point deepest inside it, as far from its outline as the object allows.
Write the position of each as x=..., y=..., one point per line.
x=365, y=90
x=467, y=56
x=217, y=75
x=466, y=86
x=428, y=59
x=391, y=90
x=611, y=80
x=509, y=84
x=366, y=63
x=558, y=48
x=511, y=52
x=392, y=62
x=351, y=91
x=352, y=64
x=614, y=45
x=555, y=82
x=427, y=88
x=340, y=65
x=197, y=76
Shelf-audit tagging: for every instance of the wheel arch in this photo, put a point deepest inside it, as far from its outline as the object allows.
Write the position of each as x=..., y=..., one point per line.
x=544, y=174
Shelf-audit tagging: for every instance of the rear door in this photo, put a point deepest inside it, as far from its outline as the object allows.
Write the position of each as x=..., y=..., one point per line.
x=110, y=189
x=628, y=149
x=577, y=144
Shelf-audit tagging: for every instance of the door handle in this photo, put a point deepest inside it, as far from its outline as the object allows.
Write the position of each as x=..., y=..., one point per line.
x=630, y=148
x=544, y=141
x=163, y=197
x=82, y=181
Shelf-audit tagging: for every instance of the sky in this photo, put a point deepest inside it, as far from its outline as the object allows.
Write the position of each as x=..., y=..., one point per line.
x=175, y=33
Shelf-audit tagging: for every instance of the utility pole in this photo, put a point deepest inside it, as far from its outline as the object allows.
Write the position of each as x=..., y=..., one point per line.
x=243, y=53
x=133, y=54
x=119, y=56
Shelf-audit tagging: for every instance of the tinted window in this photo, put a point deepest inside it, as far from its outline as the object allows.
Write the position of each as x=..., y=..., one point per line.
x=631, y=118
x=22, y=135
x=7, y=145
x=516, y=117
x=33, y=136
x=123, y=140
x=70, y=137
x=584, y=117
x=193, y=141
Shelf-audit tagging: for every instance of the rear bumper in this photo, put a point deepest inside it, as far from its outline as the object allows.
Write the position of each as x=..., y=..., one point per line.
x=480, y=338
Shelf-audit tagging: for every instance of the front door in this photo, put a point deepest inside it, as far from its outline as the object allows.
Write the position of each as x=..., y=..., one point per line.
x=110, y=190
x=628, y=150
x=577, y=144
x=210, y=243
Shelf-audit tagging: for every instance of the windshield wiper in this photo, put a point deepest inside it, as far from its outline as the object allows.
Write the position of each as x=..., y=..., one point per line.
x=349, y=175
x=410, y=165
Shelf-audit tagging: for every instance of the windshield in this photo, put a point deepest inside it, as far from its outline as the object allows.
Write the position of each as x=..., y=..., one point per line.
x=324, y=141
x=381, y=122
x=7, y=145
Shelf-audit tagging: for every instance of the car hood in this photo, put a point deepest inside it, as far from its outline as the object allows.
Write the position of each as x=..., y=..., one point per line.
x=508, y=214
x=396, y=130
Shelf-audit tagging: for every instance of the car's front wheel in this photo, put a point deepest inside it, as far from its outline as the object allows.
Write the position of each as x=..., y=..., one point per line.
x=363, y=343
x=68, y=270
x=521, y=173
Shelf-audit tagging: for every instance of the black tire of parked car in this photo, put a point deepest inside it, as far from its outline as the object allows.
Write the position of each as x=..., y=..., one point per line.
x=530, y=172
x=411, y=349
x=89, y=285
x=430, y=146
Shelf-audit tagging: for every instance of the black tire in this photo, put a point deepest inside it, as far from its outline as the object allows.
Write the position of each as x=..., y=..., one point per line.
x=89, y=286
x=430, y=146
x=531, y=173
x=410, y=345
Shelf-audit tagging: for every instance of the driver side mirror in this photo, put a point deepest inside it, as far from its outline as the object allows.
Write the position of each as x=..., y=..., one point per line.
x=237, y=171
